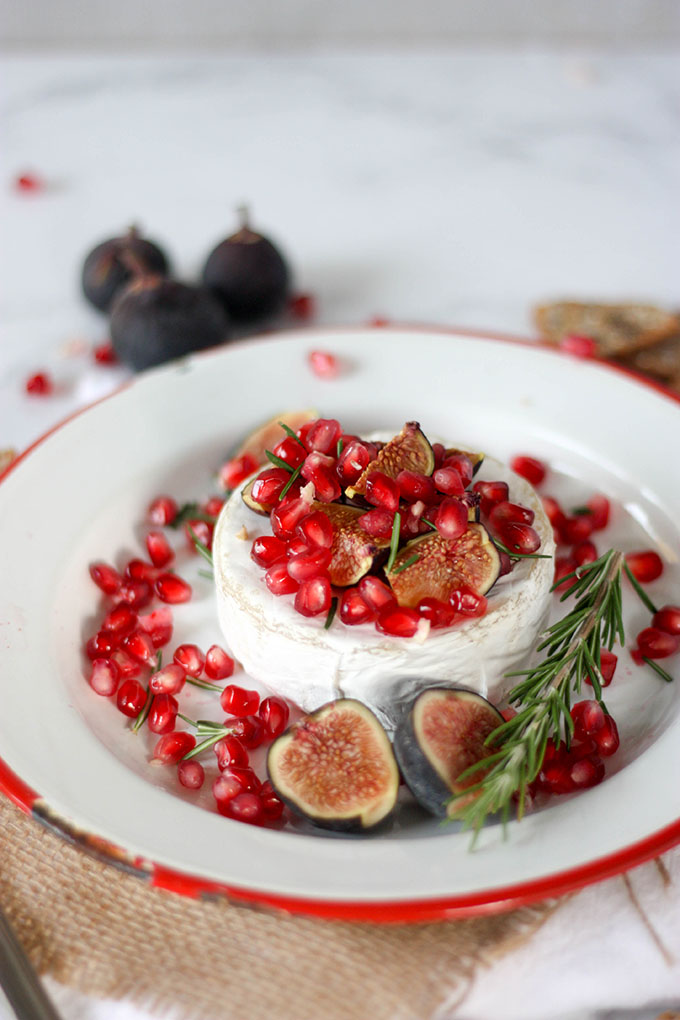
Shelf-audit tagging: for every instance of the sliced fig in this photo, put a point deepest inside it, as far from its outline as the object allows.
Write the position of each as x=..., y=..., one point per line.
x=444, y=734
x=408, y=451
x=267, y=435
x=336, y=767
x=353, y=550
x=443, y=565
x=473, y=501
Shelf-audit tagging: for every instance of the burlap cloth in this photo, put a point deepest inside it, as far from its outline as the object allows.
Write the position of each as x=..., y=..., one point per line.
x=110, y=935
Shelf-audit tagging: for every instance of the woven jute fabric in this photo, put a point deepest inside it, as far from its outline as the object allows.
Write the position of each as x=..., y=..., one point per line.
x=111, y=935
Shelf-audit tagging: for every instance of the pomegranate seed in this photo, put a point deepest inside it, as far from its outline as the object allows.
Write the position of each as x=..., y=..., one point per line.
x=249, y=729
x=645, y=566
x=218, y=665
x=160, y=551
x=191, y=774
x=599, y=511
x=319, y=469
x=398, y=621
x=244, y=807
x=528, y=467
x=461, y=463
x=171, y=588
x=140, y=646
x=323, y=436
x=587, y=772
x=121, y=620
x=576, y=529
x=291, y=451
x=588, y=717
x=382, y=491
x=578, y=346
x=104, y=354
x=271, y=804
x=105, y=577
x=376, y=594
x=102, y=644
x=553, y=512
x=29, y=183
x=510, y=513
x=636, y=656
x=354, y=609
x=268, y=486
x=230, y=752
x=608, y=663
x=519, y=538
x=162, y=511
x=313, y=597
x=378, y=523
x=414, y=486
x=198, y=530
x=163, y=713
x=39, y=385
x=279, y=581
x=657, y=644
x=286, y=516
x=168, y=680
x=131, y=698
x=104, y=677
x=448, y=481
x=323, y=364
x=140, y=570
x=607, y=737
x=213, y=507
x=173, y=746
x=137, y=594
x=267, y=550
x=237, y=470
x=127, y=666
x=316, y=530
x=352, y=462
x=311, y=564
x=555, y=778
x=190, y=658
x=468, y=602
x=234, y=780
x=584, y=552
x=451, y=518
x=158, y=625
x=667, y=619
x=439, y=452
x=302, y=306
x=274, y=713
x=564, y=565
x=296, y=546
x=491, y=493
x=440, y=614
x=237, y=701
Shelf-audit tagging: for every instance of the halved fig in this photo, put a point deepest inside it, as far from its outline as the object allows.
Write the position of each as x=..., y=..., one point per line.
x=444, y=734
x=266, y=436
x=336, y=767
x=443, y=565
x=353, y=550
x=408, y=451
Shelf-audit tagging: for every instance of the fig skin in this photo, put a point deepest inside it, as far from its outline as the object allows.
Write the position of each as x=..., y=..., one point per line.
x=466, y=719
x=156, y=320
x=110, y=266
x=248, y=274
x=373, y=762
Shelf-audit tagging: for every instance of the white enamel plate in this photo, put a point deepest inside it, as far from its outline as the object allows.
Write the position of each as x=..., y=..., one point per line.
x=80, y=495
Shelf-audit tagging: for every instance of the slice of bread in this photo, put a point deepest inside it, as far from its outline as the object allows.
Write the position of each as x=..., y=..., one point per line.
x=662, y=360
x=618, y=330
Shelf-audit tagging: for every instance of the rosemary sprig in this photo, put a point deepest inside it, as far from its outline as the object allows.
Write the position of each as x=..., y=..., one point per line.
x=146, y=707
x=294, y=476
x=407, y=563
x=200, y=547
x=658, y=669
x=640, y=590
x=394, y=542
x=520, y=556
x=278, y=461
x=572, y=647
x=191, y=512
x=289, y=432
x=331, y=613
x=205, y=685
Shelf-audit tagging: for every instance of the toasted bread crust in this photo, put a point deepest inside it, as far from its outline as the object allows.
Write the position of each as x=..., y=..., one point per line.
x=619, y=330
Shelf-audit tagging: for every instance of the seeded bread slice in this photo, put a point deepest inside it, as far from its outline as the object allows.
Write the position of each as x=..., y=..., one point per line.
x=662, y=360
x=619, y=330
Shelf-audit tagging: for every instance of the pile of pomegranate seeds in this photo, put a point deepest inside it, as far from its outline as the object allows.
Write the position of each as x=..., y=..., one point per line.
x=298, y=554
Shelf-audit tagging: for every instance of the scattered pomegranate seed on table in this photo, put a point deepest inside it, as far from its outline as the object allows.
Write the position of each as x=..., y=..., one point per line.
x=104, y=354
x=645, y=565
x=39, y=385
x=302, y=306
x=324, y=364
x=29, y=183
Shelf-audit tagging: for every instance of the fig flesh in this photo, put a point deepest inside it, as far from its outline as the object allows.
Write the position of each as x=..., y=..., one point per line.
x=442, y=735
x=336, y=767
x=443, y=565
x=407, y=451
x=113, y=263
x=353, y=550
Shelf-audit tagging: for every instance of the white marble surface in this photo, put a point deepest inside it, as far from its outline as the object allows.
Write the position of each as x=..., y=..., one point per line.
x=442, y=187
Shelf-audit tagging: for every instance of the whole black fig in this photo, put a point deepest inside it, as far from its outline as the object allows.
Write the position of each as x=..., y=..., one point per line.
x=109, y=266
x=157, y=319
x=248, y=274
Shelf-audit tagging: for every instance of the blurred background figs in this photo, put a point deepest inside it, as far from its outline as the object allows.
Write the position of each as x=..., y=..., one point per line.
x=107, y=269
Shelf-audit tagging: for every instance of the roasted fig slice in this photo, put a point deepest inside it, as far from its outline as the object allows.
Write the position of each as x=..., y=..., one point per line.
x=444, y=564
x=336, y=767
x=408, y=451
x=443, y=734
x=353, y=550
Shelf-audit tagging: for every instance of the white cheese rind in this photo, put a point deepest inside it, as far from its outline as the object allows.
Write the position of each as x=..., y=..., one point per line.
x=296, y=657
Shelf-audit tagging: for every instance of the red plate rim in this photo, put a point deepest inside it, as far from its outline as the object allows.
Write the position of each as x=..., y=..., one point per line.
x=487, y=901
